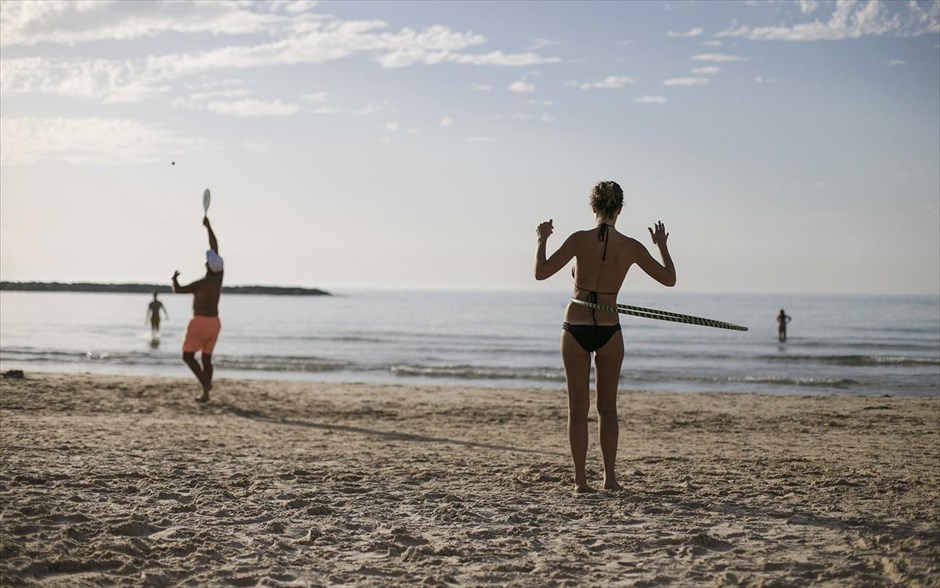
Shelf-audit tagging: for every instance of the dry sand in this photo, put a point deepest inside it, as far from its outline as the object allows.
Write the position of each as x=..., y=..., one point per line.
x=126, y=480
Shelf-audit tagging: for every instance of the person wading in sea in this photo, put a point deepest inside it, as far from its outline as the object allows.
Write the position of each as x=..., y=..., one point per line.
x=602, y=258
x=153, y=315
x=782, y=320
x=203, y=330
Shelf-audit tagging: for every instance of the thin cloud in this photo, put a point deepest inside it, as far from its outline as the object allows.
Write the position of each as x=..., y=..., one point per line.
x=685, y=82
x=608, y=83
x=808, y=6
x=29, y=22
x=695, y=32
x=446, y=122
x=481, y=139
x=712, y=43
x=318, y=97
x=542, y=44
x=718, y=57
x=311, y=42
x=854, y=20
x=96, y=141
x=391, y=127
x=235, y=102
x=895, y=62
x=541, y=117
x=252, y=108
x=707, y=70
x=522, y=87
x=650, y=99
x=102, y=79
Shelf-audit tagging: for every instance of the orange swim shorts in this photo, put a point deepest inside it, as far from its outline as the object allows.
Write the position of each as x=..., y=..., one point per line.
x=201, y=334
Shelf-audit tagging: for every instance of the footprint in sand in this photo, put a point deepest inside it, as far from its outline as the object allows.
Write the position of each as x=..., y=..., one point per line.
x=135, y=529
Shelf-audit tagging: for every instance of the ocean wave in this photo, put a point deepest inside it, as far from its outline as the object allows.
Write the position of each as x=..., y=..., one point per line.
x=855, y=360
x=842, y=383
x=469, y=372
x=282, y=364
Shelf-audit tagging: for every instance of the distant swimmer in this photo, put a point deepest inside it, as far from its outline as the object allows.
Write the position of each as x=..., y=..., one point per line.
x=203, y=330
x=602, y=258
x=782, y=320
x=153, y=314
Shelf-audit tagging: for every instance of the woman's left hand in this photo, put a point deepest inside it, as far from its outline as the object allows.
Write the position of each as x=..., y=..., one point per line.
x=660, y=235
x=544, y=230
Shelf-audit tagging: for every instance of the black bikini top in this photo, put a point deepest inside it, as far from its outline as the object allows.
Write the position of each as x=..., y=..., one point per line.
x=602, y=236
x=592, y=294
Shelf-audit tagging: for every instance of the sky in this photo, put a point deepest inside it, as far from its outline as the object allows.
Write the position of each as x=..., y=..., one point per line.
x=788, y=146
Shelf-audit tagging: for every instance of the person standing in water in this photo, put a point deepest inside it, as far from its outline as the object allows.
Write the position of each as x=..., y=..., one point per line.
x=153, y=314
x=603, y=256
x=782, y=320
x=203, y=330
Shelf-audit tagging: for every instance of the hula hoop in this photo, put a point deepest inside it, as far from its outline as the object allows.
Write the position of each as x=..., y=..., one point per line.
x=661, y=315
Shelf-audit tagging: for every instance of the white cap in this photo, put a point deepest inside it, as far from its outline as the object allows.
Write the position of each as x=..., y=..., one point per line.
x=214, y=261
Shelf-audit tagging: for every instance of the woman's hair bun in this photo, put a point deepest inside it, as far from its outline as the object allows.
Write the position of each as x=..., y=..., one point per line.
x=607, y=198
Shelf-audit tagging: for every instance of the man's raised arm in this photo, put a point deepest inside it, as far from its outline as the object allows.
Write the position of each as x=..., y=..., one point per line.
x=213, y=242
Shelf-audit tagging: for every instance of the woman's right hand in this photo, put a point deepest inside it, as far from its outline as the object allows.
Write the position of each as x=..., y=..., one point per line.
x=544, y=230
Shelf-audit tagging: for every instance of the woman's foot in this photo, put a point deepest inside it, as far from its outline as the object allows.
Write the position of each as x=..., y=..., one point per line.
x=205, y=394
x=583, y=488
x=612, y=485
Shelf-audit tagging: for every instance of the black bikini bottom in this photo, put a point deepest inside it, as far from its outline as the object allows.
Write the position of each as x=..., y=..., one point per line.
x=591, y=337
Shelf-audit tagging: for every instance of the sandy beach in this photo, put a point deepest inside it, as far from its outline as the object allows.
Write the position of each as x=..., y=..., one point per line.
x=126, y=480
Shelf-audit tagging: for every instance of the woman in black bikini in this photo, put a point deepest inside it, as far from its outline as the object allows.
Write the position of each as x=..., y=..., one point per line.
x=602, y=258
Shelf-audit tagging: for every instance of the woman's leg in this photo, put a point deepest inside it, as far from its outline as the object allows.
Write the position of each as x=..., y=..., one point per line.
x=608, y=360
x=577, y=363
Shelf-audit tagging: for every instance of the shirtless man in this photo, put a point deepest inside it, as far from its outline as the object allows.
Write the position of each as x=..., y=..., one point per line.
x=203, y=329
x=602, y=256
x=153, y=314
x=782, y=320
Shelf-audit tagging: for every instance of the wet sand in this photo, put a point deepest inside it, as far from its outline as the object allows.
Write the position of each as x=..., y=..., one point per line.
x=126, y=480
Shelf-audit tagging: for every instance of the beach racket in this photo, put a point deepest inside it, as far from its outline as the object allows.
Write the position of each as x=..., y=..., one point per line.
x=206, y=197
x=661, y=315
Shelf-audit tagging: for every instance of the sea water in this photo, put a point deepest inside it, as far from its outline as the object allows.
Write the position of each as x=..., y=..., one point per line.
x=865, y=345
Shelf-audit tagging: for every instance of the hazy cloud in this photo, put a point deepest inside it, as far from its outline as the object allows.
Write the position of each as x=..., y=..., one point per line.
x=650, y=99
x=707, y=70
x=69, y=22
x=541, y=117
x=851, y=19
x=521, y=86
x=808, y=6
x=695, y=32
x=542, y=44
x=446, y=122
x=318, y=97
x=88, y=141
x=718, y=57
x=608, y=83
x=685, y=82
x=293, y=41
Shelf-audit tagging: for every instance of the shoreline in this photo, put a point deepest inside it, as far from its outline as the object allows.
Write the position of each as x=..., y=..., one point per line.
x=175, y=369
x=109, y=479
